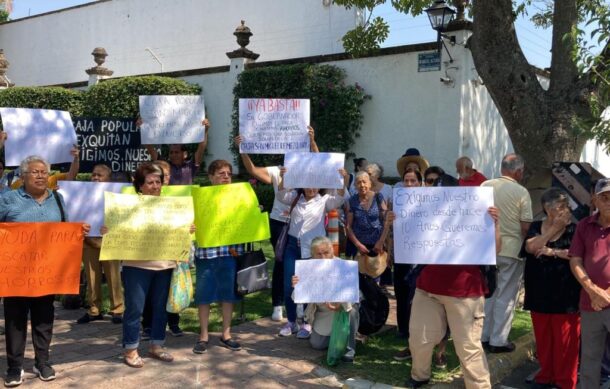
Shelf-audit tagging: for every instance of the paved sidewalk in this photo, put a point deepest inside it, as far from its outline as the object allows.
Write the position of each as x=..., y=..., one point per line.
x=90, y=355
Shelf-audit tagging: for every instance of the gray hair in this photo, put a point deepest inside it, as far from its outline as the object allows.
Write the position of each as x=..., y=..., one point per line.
x=374, y=169
x=553, y=196
x=23, y=166
x=362, y=173
x=512, y=163
x=465, y=161
x=320, y=241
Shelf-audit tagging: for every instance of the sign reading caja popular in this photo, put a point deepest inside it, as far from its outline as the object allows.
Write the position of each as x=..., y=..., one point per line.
x=114, y=142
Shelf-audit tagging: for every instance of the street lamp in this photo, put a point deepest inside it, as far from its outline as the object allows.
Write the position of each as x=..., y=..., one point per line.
x=440, y=14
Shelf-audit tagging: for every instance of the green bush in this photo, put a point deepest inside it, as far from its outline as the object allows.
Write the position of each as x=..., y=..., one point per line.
x=335, y=106
x=43, y=98
x=118, y=98
x=265, y=195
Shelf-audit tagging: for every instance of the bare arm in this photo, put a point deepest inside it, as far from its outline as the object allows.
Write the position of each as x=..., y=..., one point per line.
x=74, y=166
x=389, y=219
x=260, y=173
x=313, y=146
x=3, y=137
x=203, y=144
x=344, y=174
x=599, y=297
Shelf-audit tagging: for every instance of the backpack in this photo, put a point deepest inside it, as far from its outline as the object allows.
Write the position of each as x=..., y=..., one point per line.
x=374, y=306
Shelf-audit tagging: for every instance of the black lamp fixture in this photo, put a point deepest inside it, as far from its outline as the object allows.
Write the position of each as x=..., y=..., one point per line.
x=440, y=14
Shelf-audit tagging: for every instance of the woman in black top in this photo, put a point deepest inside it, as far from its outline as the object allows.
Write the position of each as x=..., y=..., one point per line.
x=552, y=292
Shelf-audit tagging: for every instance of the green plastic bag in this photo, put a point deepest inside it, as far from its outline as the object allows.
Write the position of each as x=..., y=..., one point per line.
x=337, y=346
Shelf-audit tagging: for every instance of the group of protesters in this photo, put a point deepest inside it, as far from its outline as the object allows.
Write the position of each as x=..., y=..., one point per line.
x=564, y=266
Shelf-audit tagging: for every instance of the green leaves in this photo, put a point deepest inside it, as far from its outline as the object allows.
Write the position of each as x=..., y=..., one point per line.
x=364, y=40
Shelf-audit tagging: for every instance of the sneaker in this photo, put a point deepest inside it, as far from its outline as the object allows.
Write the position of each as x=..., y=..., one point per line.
x=403, y=355
x=300, y=311
x=117, y=319
x=200, y=347
x=88, y=318
x=304, y=331
x=176, y=331
x=277, y=314
x=289, y=328
x=349, y=356
x=45, y=372
x=145, y=334
x=230, y=344
x=14, y=377
x=411, y=383
x=440, y=361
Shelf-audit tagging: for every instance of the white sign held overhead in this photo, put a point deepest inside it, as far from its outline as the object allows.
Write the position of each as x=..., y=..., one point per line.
x=85, y=201
x=444, y=226
x=171, y=119
x=273, y=126
x=313, y=170
x=44, y=132
x=326, y=281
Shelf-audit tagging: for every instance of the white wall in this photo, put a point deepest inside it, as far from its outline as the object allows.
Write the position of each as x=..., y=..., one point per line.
x=185, y=34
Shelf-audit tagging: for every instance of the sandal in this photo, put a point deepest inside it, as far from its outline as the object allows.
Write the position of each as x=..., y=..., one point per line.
x=161, y=355
x=133, y=361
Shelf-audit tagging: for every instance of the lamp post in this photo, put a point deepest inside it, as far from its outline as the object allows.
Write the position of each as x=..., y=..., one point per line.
x=440, y=14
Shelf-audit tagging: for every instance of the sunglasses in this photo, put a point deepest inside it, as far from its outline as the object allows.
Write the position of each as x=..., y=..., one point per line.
x=430, y=180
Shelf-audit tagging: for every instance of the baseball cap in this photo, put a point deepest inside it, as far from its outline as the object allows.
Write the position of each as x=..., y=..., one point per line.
x=603, y=185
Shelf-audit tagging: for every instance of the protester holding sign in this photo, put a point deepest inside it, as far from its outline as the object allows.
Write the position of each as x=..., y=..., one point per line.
x=216, y=267
x=320, y=316
x=144, y=278
x=450, y=295
x=93, y=270
x=277, y=218
x=308, y=209
x=182, y=169
x=33, y=202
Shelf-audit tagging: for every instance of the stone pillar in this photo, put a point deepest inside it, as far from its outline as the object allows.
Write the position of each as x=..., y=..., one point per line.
x=98, y=72
x=4, y=81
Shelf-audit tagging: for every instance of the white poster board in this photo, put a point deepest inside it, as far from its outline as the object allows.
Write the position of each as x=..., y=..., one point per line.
x=171, y=119
x=326, y=281
x=444, y=226
x=313, y=170
x=273, y=126
x=85, y=201
x=44, y=132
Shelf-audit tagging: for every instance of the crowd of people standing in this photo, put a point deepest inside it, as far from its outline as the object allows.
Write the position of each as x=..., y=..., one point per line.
x=564, y=267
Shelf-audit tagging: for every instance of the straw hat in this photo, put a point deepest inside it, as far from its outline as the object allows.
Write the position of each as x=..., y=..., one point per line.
x=372, y=266
x=411, y=155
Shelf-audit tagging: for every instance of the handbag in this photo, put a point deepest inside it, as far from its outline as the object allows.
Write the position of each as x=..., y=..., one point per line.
x=251, y=273
x=282, y=239
x=180, y=289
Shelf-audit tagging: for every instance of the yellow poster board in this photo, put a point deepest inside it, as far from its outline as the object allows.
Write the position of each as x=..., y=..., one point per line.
x=228, y=214
x=146, y=227
x=166, y=190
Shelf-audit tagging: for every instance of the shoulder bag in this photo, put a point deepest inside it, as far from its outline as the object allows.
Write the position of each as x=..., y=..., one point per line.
x=280, y=245
x=251, y=273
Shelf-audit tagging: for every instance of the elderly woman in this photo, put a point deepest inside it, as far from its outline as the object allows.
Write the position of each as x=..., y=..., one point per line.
x=552, y=293
x=307, y=213
x=320, y=316
x=146, y=279
x=33, y=202
x=365, y=217
x=216, y=267
x=375, y=172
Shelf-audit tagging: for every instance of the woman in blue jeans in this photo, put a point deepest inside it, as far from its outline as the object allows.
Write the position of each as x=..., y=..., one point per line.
x=146, y=278
x=308, y=211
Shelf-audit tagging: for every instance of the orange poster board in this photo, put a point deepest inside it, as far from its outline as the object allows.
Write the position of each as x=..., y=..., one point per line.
x=37, y=259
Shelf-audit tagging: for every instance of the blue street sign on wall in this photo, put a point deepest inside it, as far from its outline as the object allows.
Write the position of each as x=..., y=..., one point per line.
x=429, y=62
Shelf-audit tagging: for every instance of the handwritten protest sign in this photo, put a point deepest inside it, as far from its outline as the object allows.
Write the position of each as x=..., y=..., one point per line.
x=44, y=132
x=228, y=214
x=313, y=170
x=166, y=190
x=444, y=226
x=114, y=142
x=38, y=259
x=85, y=201
x=273, y=126
x=147, y=227
x=326, y=280
x=171, y=119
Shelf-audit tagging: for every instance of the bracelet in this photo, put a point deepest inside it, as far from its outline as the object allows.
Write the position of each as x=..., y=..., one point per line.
x=554, y=253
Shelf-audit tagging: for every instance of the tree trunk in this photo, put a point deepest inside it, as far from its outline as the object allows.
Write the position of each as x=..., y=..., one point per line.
x=540, y=122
